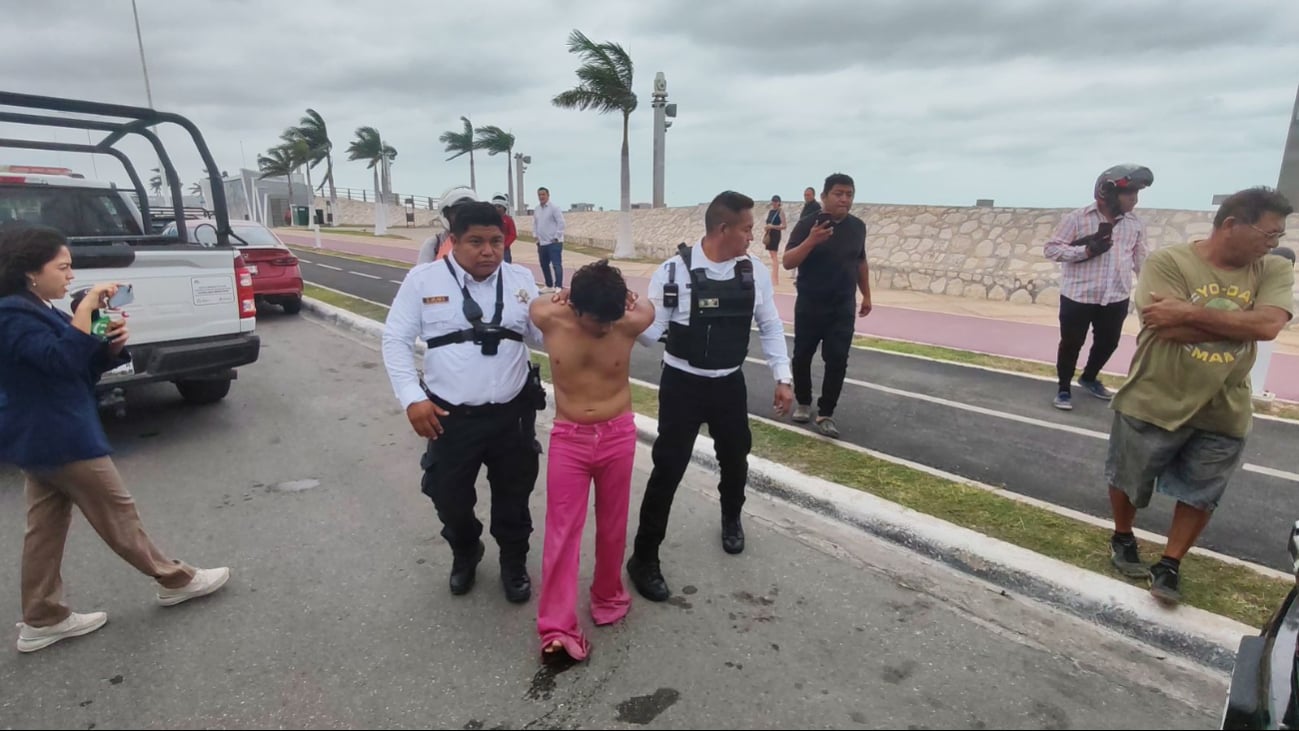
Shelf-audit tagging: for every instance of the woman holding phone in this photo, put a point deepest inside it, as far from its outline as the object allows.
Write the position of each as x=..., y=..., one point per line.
x=49, y=427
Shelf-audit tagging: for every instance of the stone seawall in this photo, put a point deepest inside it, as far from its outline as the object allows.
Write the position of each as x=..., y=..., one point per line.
x=358, y=213
x=984, y=253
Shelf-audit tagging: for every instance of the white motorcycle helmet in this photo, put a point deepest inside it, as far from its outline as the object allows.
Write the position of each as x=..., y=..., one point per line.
x=455, y=196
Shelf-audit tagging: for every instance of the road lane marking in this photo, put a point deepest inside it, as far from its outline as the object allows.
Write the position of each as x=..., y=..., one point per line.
x=1067, y=428
x=330, y=266
x=384, y=305
x=363, y=274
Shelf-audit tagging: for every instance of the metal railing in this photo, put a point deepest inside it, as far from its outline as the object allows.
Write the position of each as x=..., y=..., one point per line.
x=423, y=202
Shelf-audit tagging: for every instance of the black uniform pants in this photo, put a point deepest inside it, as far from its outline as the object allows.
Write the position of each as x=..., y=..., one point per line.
x=502, y=437
x=830, y=326
x=686, y=402
x=1106, y=323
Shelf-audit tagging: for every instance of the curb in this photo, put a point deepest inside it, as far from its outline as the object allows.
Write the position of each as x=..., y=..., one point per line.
x=1201, y=636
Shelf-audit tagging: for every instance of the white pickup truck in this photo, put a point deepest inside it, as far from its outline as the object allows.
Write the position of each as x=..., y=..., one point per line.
x=194, y=314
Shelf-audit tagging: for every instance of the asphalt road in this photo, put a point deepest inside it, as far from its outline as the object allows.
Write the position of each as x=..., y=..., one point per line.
x=993, y=427
x=305, y=481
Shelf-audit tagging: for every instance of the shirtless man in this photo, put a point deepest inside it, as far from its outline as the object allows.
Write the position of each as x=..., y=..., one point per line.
x=589, y=331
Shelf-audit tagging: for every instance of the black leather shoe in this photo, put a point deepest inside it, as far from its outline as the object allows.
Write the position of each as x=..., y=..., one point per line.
x=732, y=535
x=648, y=579
x=463, y=569
x=517, y=584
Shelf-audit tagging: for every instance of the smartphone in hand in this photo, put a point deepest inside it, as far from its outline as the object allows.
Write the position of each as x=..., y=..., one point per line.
x=125, y=296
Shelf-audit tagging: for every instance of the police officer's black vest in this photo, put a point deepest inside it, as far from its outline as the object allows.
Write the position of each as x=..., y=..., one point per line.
x=721, y=315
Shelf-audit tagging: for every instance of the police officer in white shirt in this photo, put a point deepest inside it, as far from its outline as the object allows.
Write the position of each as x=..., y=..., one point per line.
x=706, y=299
x=480, y=394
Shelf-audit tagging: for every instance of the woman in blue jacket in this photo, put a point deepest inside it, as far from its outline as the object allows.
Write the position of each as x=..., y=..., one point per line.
x=50, y=428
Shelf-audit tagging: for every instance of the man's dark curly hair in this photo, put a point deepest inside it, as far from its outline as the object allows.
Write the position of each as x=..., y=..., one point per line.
x=599, y=290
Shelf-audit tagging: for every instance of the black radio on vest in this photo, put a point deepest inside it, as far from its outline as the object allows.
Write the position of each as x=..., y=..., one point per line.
x=672, y=290
x=487, y=335
x=721, y=314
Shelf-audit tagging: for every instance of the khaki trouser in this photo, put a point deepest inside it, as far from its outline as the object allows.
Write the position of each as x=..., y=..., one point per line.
x=95, y=487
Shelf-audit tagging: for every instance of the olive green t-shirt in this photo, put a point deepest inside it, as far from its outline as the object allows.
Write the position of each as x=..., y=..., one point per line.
x=1201, y=385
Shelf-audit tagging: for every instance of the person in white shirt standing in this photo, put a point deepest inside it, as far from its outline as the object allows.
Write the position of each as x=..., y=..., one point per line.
x=478, y=399
x=706, y=298
x=1101, y=248
x=548, y=227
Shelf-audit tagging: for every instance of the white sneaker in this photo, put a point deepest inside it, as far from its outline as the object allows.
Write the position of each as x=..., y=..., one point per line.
x=31, y=639
x=205, y=582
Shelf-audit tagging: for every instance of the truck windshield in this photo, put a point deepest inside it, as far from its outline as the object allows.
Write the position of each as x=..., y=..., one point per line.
x=77, y=212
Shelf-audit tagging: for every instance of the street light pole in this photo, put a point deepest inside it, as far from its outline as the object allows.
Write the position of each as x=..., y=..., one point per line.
x=380, y=196
x=521, y=162
x=660, y=134
x=148, y=92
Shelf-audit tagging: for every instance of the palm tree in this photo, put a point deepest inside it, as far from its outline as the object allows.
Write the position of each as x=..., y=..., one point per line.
x=155, y=183
x=279, y=161
x=461, y=143
x=312, y=129
x=370, y=147
x=301, y=152
x=497, y=141
x=197, y=190
x=605, y=84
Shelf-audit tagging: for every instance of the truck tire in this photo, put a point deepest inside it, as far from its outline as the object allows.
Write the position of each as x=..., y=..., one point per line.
x=204, y=392
x=292, y=306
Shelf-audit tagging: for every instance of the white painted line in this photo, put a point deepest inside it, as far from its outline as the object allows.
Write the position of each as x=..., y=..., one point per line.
x=394, y=281
x=331, y=266
x=384, y=305
x=304, y=261
x=993, y=369
x=363, y=274
x=1067, y=428
x=1280, y=474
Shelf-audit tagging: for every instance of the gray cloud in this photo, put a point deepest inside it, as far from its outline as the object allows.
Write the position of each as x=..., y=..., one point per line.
x=923, y=101
x=918, y=34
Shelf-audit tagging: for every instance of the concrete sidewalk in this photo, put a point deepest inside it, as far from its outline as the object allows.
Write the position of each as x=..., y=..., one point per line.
x=1029, y=332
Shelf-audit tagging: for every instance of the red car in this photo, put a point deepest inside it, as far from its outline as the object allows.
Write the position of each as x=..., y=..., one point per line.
x=277, y=279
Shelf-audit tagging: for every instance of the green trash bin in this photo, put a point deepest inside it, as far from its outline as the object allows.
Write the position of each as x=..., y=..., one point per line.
x=301, y=216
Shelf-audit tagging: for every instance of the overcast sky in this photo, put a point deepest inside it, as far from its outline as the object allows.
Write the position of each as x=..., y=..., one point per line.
x=922, y=101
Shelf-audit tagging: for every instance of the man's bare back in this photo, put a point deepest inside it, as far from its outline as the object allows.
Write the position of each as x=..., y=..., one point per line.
x=590, y=371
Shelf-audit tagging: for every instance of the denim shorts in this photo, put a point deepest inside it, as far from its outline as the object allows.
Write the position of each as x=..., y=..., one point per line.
x=1190, y=465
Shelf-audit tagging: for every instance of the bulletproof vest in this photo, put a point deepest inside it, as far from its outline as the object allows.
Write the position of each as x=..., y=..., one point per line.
x=721, y=315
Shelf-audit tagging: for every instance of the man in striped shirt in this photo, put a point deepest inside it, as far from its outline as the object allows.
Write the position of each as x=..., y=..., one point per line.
x=1101, y=248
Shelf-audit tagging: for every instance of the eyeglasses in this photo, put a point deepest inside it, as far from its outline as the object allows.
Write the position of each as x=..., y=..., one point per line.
x=1273, y=235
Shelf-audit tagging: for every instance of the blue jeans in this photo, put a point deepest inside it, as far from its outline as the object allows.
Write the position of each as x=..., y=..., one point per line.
x=552, y=255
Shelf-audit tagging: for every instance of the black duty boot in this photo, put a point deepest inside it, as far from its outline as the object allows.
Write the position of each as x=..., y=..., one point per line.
x=463, y=569
x=648, y=578
x=732, y=535
x=516, y=582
